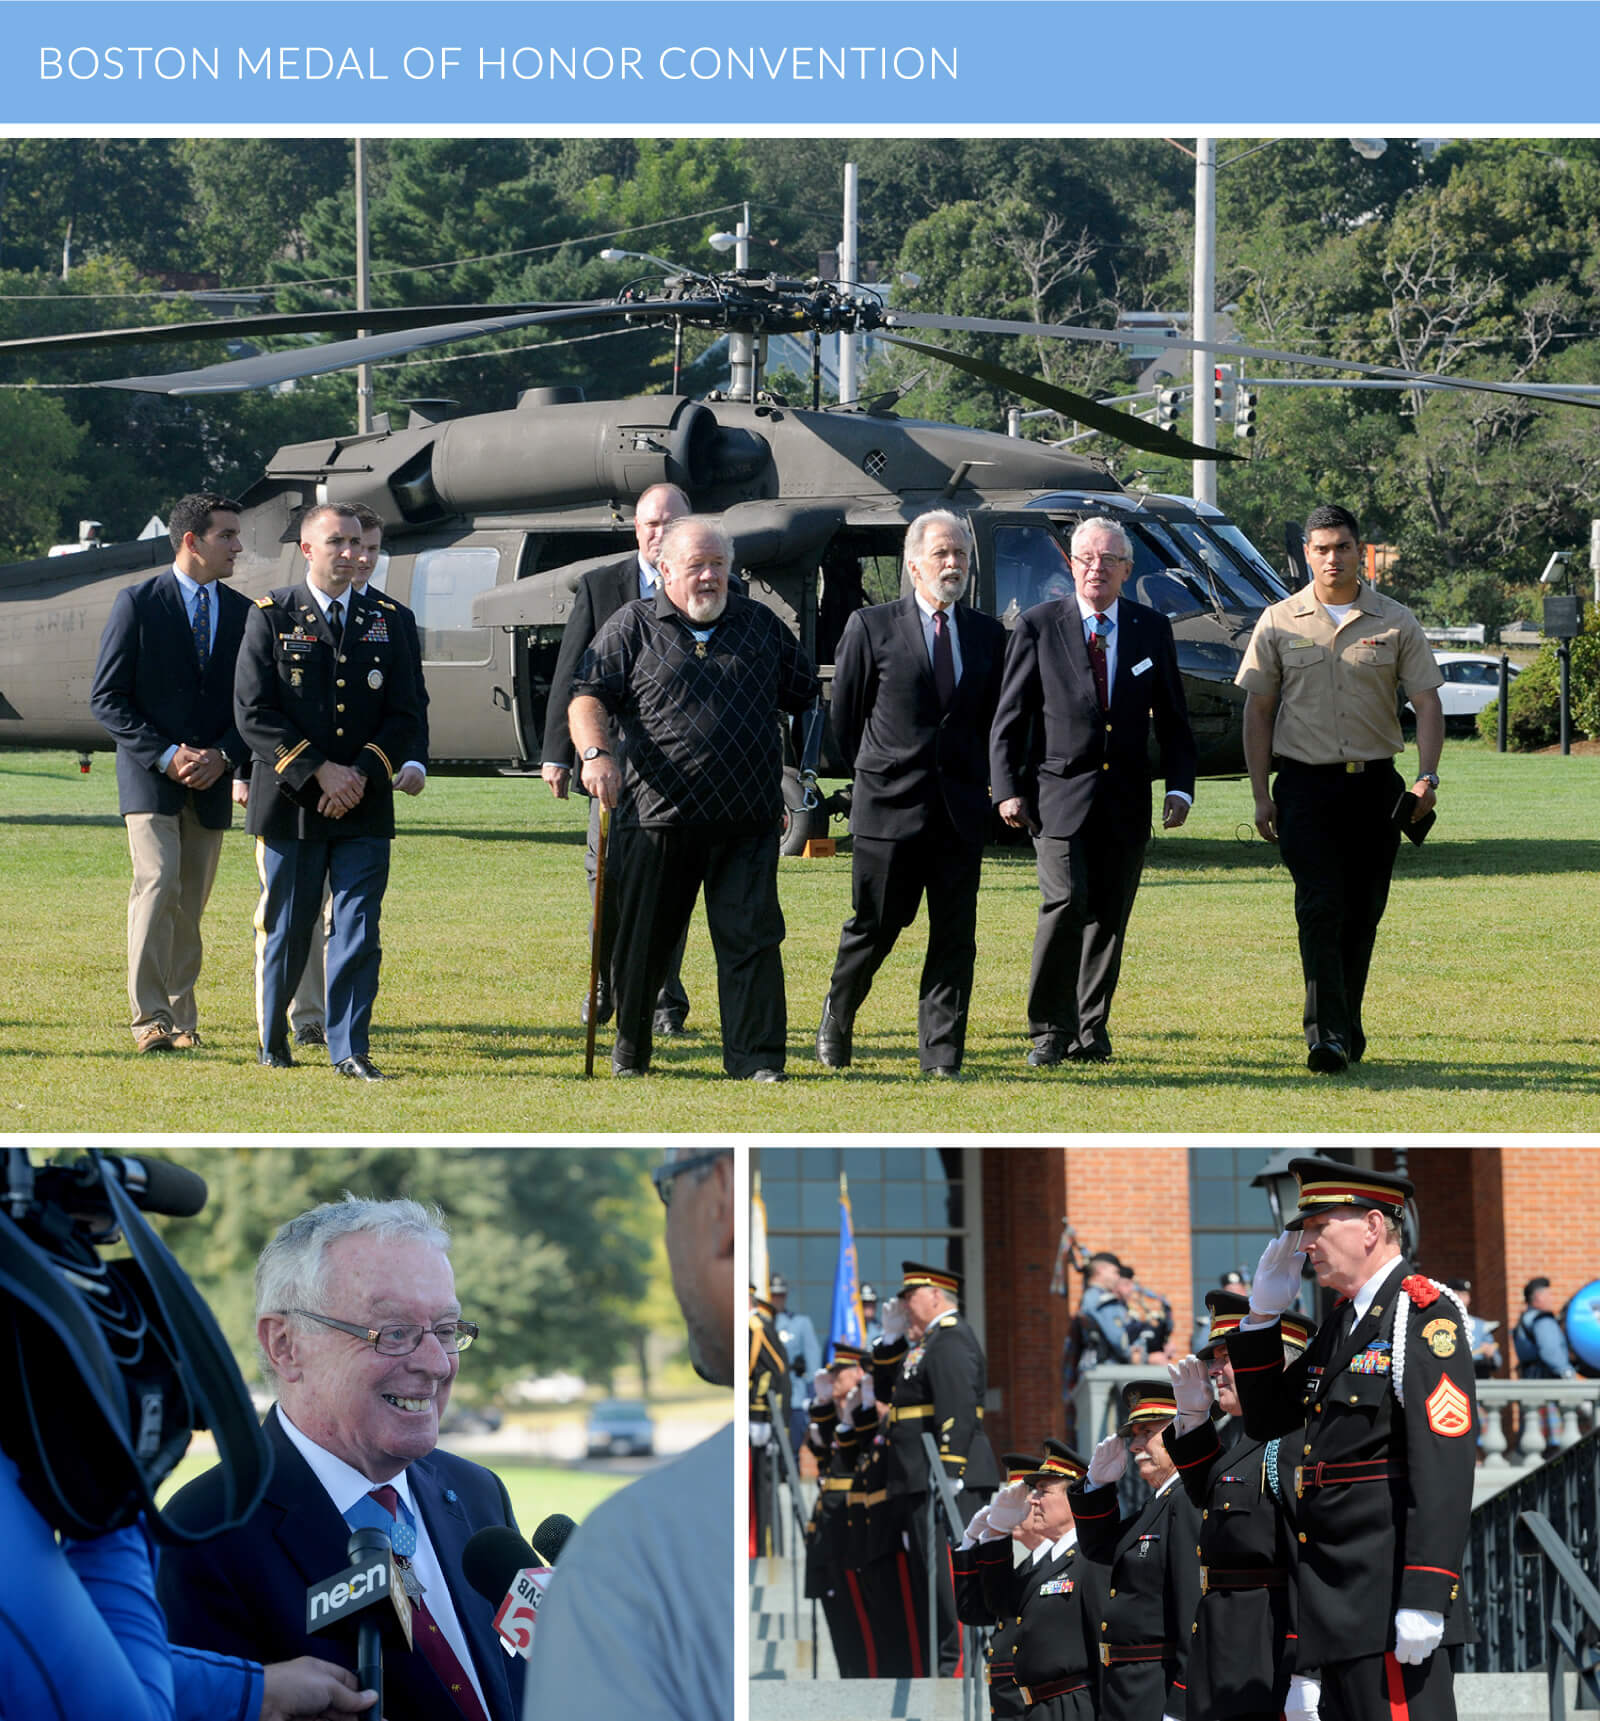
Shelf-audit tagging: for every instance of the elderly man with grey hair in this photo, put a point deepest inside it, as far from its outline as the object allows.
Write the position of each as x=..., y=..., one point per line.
x=915, y=684
x=696, y=677
x=358, y=1322
x=1085, y=679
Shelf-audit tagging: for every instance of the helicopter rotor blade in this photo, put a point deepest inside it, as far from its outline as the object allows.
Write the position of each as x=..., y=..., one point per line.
x=328, y=322
x=266, y=369
x=1122, y=337
x=1122, y=425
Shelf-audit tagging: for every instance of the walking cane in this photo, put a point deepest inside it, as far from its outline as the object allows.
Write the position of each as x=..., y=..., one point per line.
x=594, y=940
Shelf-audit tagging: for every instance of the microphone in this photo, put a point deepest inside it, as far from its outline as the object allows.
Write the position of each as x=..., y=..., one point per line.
x=153, y=1185
x=370, y=1579
x=513, y=1575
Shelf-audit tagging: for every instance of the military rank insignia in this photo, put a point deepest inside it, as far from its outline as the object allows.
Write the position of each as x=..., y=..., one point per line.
x=1375, y=1359
x=1440, y=1336
x=1058, y=1587
x=1147, y=1545
x=1449, y=1412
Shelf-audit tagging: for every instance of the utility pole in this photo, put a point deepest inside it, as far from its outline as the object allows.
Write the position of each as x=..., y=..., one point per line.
x=847, y=280
x=363, y=290
x=1203, y=312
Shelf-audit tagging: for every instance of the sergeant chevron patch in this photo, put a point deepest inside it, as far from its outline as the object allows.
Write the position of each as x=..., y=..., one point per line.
x=1448, y=1410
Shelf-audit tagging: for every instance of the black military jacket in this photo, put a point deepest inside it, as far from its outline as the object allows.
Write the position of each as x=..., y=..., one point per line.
x=769, y=1368
x=1000, y=1651
x=1050, y=1605
x=873, y=1533
x=1151, y=1574
x=940, y=1391
x=1243, y=1649
x=1390, y=1530
x=300, y=701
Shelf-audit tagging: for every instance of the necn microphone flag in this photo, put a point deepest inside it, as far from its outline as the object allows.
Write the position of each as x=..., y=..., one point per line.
x=847, y=1325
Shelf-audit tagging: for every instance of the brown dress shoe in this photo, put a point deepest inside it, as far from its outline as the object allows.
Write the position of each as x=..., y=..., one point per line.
x=154, y=1038
x=186, y=1039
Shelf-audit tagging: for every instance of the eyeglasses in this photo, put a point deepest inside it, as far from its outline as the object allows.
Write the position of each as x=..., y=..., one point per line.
x=664, y=1173
x=453, y=1336
x=1103, y=561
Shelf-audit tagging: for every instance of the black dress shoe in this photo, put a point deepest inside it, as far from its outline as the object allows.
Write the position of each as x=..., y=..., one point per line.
x=313, y=1034
x=362, y=1068
x=275, y=1058
x=1094, y=1050
x=1328, y=1057
x=1045, y=1056
x=623, y=1070
x=834, y=1041
x=767, y=1074
x=605, y=1005
x=667, y=1025
x=943, y=1073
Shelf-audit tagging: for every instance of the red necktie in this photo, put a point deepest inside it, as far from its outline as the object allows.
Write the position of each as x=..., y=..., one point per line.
x=1097, y=659
x=944, y=660
x=430, y=1642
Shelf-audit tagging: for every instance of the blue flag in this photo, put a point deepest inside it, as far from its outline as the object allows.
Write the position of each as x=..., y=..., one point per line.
x=846, y=1325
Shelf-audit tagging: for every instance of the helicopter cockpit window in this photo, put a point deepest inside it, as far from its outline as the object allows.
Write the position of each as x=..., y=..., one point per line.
x=1271, y=581
x=442, y=589
x=1234, y=587
x=1030, y=567
x=1160, y=578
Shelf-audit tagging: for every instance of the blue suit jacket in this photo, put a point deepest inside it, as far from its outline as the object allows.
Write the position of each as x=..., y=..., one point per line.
x=244, y=1592
x=149, y=694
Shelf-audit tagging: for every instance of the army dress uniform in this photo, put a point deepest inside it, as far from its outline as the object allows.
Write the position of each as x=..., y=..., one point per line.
x=769, y=1377
x=1242, y=1657
x=1150, y=1574
x=828, y=1578
x=1000, y=1650
x=940, y=1391
x=1384, y=1415
x=302, y=698
x=1335, y=735
x=876, y=1552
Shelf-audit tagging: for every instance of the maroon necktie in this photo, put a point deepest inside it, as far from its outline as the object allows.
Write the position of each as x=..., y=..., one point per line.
x=430, y=1642
x=1097, y=659
x=944, y=660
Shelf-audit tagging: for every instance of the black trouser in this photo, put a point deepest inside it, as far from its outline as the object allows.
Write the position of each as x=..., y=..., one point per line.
x=737, y=869
x=1087, y=884
x=888, y=876
x=1378, y=1685
x=917, y=1509
x=622, y=832
x=890, y=1598
x=848, y=1626
x=1338, y=839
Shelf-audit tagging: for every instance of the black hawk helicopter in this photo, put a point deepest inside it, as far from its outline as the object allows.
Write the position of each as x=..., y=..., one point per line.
x=491, y=518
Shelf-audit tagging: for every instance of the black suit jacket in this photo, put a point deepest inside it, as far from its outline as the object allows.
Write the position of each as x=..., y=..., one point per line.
x=908, y=756
x=601, y=593
x=1054, y=747
x=149, y=694
x=244, y=1592
x=299, y=701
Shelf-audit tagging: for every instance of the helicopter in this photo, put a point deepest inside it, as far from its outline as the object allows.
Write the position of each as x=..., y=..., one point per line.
x=490, y=519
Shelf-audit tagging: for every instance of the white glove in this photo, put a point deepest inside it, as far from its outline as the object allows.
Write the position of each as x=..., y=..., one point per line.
x=822, y=1384
x=1277, y=1280
x=1305, y=1694
x=868, y=1397
x=760, y=1433
x=1109, y=1460
x=1417, y=1632
x=979, y=1523
x=814, y=1432
x=848, y=1406
x=1008, y=1508
x=894, y=1318
x=1191, y=1387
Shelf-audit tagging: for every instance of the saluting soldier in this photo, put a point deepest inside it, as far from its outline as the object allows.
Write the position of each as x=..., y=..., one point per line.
x=1152, y=1580
x=326, y=697
x=830, y=1433
x=1000, y=1652
x=1048, y=1596
x=877, y=1555
x=940, y=1392
x=1383, y=1474
x=769, y=1376
x=1241, y=1664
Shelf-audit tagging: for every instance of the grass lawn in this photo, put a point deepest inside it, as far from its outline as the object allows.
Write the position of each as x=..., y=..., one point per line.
x=1481, y=1010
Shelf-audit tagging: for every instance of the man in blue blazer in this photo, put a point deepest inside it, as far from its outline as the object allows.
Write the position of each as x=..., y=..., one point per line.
x=163, y=691
x=914, y=689
x=1085, y=678
x=341, y=1292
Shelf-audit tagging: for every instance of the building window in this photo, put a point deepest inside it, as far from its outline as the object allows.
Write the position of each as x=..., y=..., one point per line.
x=1229, y=1222
x=442, y=589
x=907, y=1204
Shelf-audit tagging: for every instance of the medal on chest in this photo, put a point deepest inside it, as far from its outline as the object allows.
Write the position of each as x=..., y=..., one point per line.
x=913, y=1359
x=1057, y=1587
x=1375, y=1359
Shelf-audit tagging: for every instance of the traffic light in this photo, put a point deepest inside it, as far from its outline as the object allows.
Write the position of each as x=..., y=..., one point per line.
x=1244, y=413
x=1169, y=401
x=1223, y=389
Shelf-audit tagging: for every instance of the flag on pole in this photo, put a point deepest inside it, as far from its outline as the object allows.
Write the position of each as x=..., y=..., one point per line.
x=847, y=1325
x=758, y=1240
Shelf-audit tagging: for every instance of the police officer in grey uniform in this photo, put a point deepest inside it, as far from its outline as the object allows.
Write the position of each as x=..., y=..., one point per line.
x=1323, y=673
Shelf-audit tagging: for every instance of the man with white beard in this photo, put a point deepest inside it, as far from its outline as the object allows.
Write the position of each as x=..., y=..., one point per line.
x=696, y=677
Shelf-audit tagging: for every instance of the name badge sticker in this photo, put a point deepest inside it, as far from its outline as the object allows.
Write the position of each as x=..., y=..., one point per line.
x=1141, y=666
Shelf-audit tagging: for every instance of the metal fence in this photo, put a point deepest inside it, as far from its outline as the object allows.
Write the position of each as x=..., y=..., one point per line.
x=1506, y=1591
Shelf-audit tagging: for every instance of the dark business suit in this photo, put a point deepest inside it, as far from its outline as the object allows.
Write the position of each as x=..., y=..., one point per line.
x=244, y=1592
x=149, y=694
x=600, y=594
x=919, y=809
x=1086, y=774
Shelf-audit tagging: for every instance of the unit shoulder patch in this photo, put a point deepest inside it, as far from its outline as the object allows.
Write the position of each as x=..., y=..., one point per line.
x=1440, y=1337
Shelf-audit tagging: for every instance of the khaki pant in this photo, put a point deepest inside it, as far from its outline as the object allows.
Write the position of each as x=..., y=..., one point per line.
x=174, y=865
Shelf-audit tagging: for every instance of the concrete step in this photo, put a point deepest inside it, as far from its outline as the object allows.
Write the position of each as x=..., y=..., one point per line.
x=1491, y=1696
x=865, y=1700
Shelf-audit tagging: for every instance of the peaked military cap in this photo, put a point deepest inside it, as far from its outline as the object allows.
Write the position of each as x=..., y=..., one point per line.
x=1059, y=1464
x=915, y=1273
x=1326, y=1186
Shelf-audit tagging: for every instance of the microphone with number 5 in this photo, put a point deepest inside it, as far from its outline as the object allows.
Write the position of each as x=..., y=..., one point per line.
x=514, y=1575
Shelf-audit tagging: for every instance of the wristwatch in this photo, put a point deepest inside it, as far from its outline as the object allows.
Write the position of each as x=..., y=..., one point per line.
x=1431, y=778
x=602, y=753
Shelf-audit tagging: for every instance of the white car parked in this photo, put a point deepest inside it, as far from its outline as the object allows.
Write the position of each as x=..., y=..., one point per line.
x=1471, y=681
